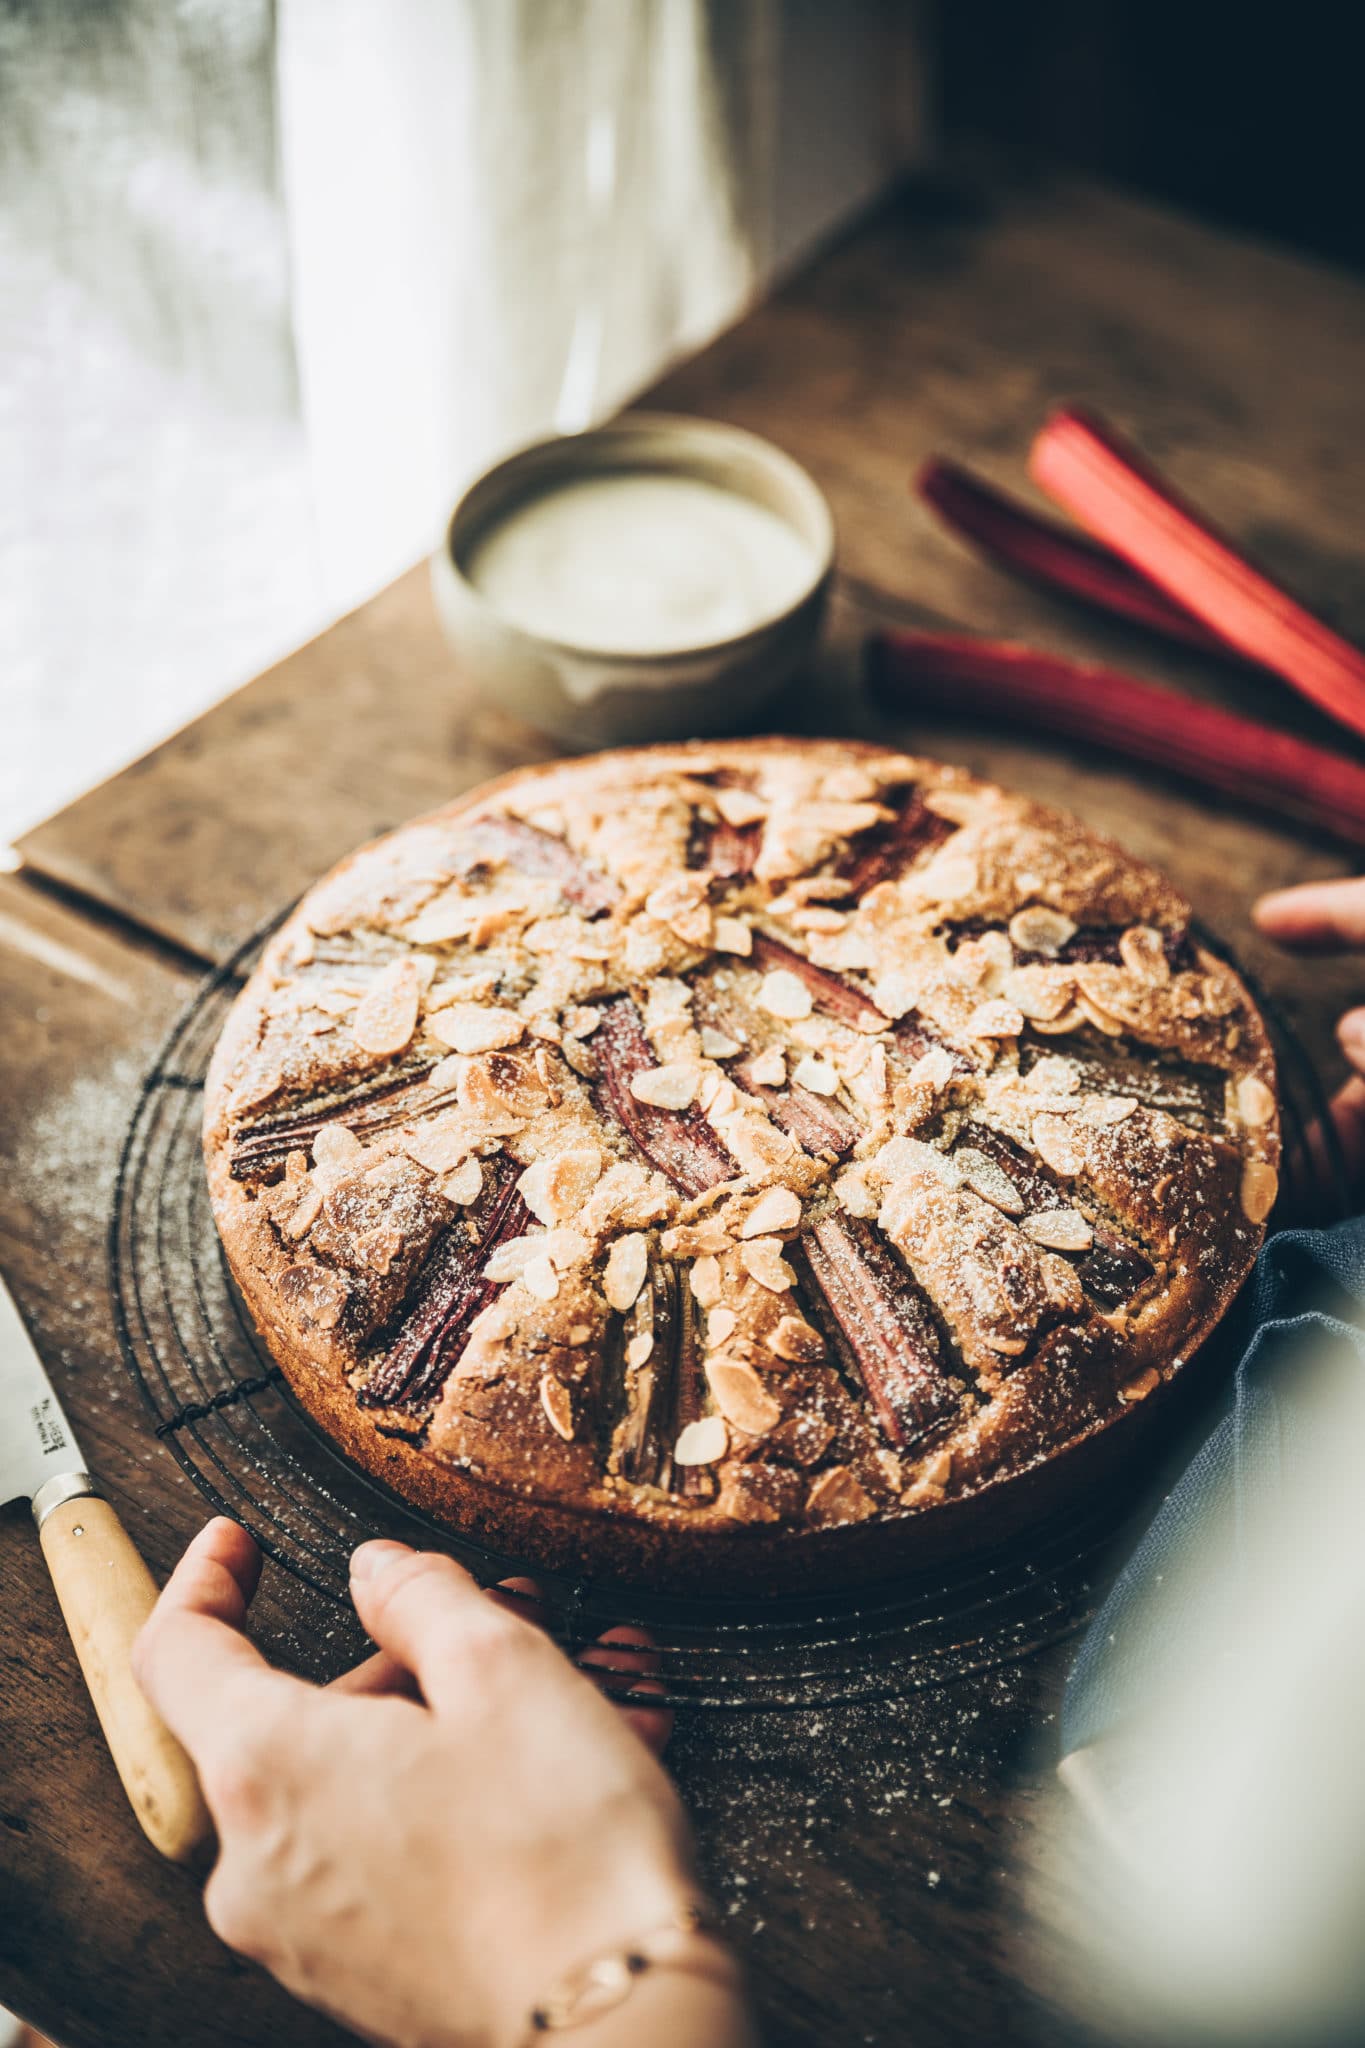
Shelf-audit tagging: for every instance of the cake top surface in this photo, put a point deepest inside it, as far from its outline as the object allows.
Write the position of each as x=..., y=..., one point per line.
x=774, y=1131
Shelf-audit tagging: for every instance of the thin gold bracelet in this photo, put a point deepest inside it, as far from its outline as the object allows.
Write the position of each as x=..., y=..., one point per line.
x=600, y=1985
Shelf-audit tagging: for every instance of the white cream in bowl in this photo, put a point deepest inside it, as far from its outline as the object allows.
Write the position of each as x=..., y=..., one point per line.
x=640, y=562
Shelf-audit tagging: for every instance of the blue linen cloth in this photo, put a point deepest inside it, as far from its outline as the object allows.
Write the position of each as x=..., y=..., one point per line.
x=1306, y=1298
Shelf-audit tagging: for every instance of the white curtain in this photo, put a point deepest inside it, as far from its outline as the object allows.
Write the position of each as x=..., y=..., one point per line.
x=275, y=280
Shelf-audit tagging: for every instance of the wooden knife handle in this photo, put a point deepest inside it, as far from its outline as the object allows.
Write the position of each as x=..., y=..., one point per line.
x=106, y=1593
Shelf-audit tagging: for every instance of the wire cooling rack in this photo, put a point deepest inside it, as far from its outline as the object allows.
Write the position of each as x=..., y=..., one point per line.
x=219, y=1405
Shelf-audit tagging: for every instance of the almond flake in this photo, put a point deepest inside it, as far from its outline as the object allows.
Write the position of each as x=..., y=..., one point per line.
x=566, y=1248
x=1055, y=1142
x=1040, y=929
x=556, y=1188
x=1061, y=1230
x=1260, y=1186
x=769, y=1069
x=783, y=994
x=947, y=880
x=1255, y=1103
x=1102, y=1019
x=704, y=1281
x=1040, y=992
x=732, y=935
x=796, y=1341
x=959, y=806
x=817, y=917
x=717, y=1045
x=438, y=1146
x=1143, y=952
x=335, y=1146
x=465, y=1184
x=817, y=1075
x=316, y=1293
x=995, y=1020
x=506, y=1260
x=1068, y=1020
x=558, y=1406
x=854, y=1193
x=387, y=1017
x=777, y=1209
x=1140, y=1385
x=739, y=807
x=1107, y=1109
x=741, y=1396
x=720, y=1324
x=627, y=1264
x=474, y=1027
x=668, y=1087
x=762, y=1260
x=301, y=1218
x=676, y=896
x=582, y=1022
x=538, y=1277
x=701, y=1443
x=836, y=1496
x=987, y=1178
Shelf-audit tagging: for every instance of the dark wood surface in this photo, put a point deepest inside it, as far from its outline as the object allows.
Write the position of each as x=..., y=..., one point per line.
x=872, y=1860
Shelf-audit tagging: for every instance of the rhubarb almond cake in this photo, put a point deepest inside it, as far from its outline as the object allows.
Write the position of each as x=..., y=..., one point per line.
x=739, y=1164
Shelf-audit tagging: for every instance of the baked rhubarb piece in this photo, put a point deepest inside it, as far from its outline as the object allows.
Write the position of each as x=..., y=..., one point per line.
x=753, y=1164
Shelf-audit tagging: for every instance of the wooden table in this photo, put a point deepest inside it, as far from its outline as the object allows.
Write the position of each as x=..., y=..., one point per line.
x=871, y=1859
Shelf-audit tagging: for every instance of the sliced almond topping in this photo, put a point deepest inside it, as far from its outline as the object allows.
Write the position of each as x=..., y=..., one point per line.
x=783, y=994
x=438, y=1146
x=960, y=806
x=1068, y=1020
x=720, y=1325
x=506, y=1261
x=778, y=1209
x=701, y=1443
x=855, y=1195
x=948, y=880
x=1255, y=1102
x=638, y=1349
x=741, y=1396
x=995, y=1020
x=732, y=935
x=1143, y=952
x=704, y=1281
x=816, y=1074
x=1040, y=929
x=676, y=896
x=817, y=917
x=1040, y=991
x=334, y=1146
x=987, y=1178
x=769, y=1069
x=555, y=1400
x=566, y=1248
x=316, y=1293
x=718, y=1045
x=627, y=1264
x=1260, y=1186
x=1102, y=1019
x=387, y=1017
x=538, y=1277
x=796, y=1341
x=465, y=1184
x=1056, y=1143
x=1140, y=1385
x=762, y=1260
x=582, y=1021
x=1061, y=1282
x=836, y=1496
x=1061, y=1230
x=1107, y=1109
x=580, y=1334
x=739, y=807
x=305, y=1213
x=668, y=1087
x=556, y=1188
x=476, y=1027
x=693, y=927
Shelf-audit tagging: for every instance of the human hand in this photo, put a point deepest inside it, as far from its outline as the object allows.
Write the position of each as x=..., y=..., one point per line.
x=426, y=1847
x=1329, y=917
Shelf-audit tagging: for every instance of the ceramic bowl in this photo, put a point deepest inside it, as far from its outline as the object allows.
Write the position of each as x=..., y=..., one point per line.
x=595, y=697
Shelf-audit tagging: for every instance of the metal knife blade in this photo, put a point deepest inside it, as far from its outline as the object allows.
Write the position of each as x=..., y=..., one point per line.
x=37, y=1443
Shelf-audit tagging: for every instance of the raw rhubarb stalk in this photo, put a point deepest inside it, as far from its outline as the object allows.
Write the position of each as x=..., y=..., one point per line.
x=830, y=992
x=885, y=1327
x=533, y=852
x=1212, y=747
x=374, y=1106
x=679, y=1142
x=887, y=850
x=1043, y=553
x=1112, y=1270
x=1082, y=463
x=452, y=1290
x=818, y=1125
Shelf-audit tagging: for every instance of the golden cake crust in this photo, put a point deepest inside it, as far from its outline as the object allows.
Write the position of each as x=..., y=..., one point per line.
x=775, y=1159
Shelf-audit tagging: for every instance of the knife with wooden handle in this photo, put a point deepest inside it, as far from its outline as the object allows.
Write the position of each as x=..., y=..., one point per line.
x=105, y=1590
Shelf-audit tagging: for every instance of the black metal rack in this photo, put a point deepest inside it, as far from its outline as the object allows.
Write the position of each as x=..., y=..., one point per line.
x=221, y=1407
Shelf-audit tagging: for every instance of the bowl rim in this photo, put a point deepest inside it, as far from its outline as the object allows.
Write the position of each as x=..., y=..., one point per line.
x=689, y=428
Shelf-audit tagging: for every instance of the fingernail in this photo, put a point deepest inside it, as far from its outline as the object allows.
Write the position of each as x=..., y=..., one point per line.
x=373, y=1558
x=1351, y=1031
